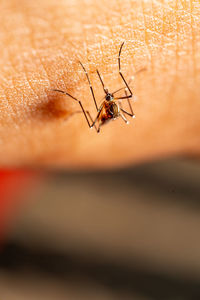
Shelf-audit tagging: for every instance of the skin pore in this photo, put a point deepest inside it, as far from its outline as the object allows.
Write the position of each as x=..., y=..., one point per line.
x=41, y=43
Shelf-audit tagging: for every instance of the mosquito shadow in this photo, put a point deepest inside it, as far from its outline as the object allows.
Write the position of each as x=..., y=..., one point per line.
x=51, y=107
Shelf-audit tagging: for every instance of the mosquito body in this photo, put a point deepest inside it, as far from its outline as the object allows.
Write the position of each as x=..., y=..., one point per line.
x=110, y=111
x=111, y=107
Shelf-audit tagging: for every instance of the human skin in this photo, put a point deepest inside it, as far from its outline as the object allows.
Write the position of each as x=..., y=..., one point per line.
x=41, y=43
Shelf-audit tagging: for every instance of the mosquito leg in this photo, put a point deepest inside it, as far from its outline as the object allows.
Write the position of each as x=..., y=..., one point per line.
x=122, y=76
x=127, y=113
x=136, y=73
x=123, y=117
x=130, y=106
x=91, y=88
x=97, y=129
x=103, y=85
x=87, y=112
x=82, y=108
x=97, y=117
x=121, y=114
x=132, y=115
x=122, y=87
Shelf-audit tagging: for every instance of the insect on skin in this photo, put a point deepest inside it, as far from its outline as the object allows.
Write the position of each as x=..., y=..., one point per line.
x=111, y=107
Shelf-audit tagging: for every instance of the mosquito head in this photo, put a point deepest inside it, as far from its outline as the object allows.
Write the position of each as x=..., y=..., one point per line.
x=109, y=97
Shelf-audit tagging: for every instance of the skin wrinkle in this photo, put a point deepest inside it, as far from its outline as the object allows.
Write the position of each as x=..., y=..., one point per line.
x=15, y=81
x=176, y=76
x=2, y=114
x=59, y=36
x=193, y=40
x=9, y=101
x=31, y=37
x=146, y=42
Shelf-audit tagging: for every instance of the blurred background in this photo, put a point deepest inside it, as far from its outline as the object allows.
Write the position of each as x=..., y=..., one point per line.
x=126, y=234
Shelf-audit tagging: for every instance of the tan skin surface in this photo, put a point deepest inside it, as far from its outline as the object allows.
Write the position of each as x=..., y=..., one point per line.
x=41, y=43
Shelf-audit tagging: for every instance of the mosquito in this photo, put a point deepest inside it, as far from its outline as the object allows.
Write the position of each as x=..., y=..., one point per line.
x=111, y=107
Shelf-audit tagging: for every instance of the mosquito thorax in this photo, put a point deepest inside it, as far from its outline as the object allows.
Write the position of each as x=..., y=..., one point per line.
x=109, y=97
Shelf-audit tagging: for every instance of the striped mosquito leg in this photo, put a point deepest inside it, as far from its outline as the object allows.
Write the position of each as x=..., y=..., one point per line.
x=91, y=88
x=82, y=108
x=132, y=115
x=130, y=106
x=97, y=129
x=120, y=73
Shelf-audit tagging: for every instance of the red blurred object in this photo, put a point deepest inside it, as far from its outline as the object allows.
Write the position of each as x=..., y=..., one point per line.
x=13, y=184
